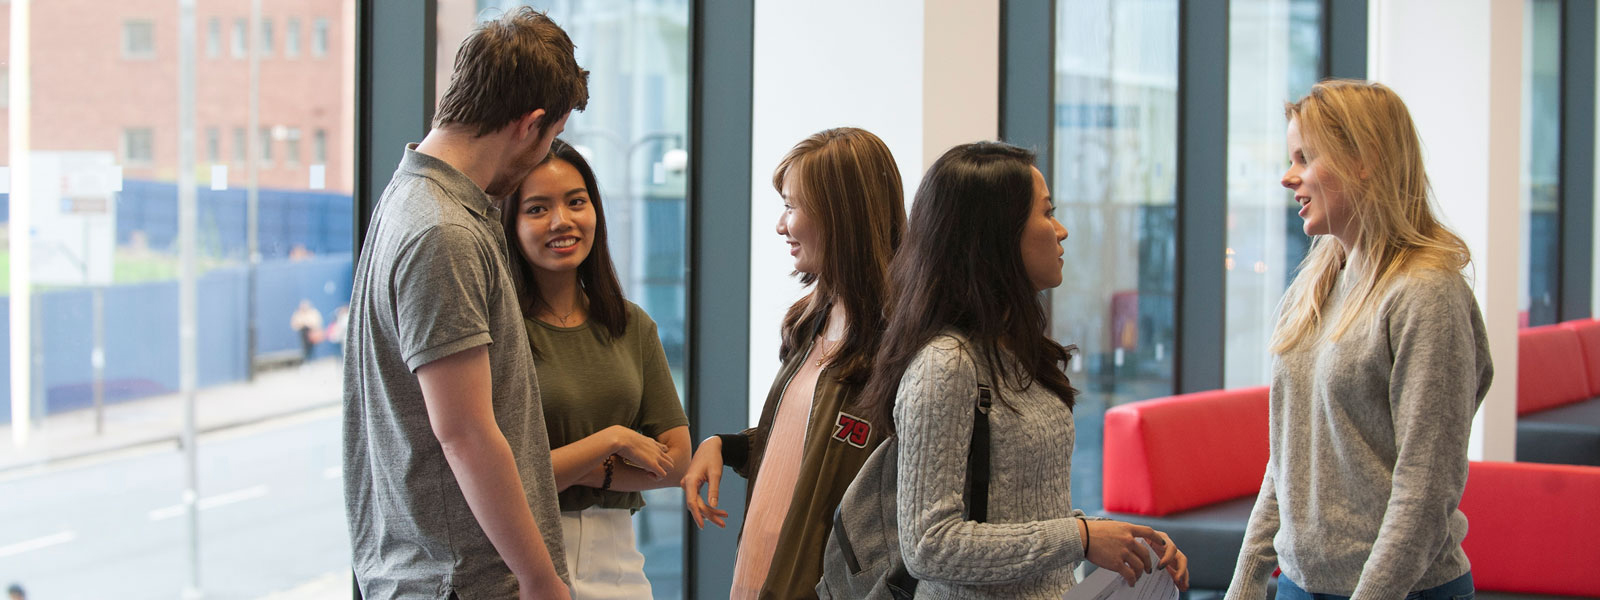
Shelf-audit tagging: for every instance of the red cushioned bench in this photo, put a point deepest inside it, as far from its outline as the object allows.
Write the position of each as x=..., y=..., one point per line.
x=1532, y=529
x=1558, y=393
x=1191, y=466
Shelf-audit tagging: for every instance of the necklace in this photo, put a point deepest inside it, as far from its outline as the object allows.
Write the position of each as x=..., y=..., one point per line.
x=827, y=353
x=549, y=310
x=563, y=318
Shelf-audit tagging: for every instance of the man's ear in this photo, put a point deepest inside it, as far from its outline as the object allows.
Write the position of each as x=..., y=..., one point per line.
x=528, y=125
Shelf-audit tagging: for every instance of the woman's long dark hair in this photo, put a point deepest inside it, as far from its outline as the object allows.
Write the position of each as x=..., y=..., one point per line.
x=597, y=277
x=846, y=181
x=961, y=269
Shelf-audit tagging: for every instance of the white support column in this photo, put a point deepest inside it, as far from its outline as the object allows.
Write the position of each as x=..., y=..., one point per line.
x=921, y=74
x=1466, y=98
x=960, y=76
x=21, y=226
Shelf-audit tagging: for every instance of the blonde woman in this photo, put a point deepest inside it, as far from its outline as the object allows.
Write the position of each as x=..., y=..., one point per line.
x=1380, y=361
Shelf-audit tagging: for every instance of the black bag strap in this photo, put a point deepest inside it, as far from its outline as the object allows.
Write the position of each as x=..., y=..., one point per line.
x=978, y=457
x=902, y=586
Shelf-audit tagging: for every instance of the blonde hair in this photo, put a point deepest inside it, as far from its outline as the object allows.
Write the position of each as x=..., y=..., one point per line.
x=1365, y=138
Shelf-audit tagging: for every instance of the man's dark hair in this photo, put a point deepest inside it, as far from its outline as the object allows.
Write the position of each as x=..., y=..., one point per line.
x=509, y=67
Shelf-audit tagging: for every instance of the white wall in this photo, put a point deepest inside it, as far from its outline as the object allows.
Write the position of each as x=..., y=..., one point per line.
x=1458, y=65
x=833, y=63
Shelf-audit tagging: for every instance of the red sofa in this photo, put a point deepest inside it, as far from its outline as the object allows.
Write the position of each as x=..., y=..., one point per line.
x=1558, y=381
x=1533, y=528
x=1191, y=465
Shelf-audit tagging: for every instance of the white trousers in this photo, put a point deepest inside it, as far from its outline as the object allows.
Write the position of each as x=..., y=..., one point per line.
x=603, y=561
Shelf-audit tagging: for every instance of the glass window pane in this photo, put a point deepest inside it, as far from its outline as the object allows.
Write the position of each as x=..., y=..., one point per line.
x=634, y=136
x=291, y=38
x=240, y=37
x=319, y=38
x=213, y=144
x=239, y=145
x=265, y=138
x=1541, y=162
x=93, y=485
x=1275, y=47
x=1115, y=191
x=266, y=37
x=291, y=146
x=213, y=37
x=138, y=38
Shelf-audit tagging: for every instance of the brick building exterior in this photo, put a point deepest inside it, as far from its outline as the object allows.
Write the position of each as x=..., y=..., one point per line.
x=105, y=78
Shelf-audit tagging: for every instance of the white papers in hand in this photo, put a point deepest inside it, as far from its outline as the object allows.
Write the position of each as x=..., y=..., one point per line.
x=1105, y=584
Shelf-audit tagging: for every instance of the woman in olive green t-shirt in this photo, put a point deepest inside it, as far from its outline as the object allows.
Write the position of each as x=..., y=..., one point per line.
x=615, y=423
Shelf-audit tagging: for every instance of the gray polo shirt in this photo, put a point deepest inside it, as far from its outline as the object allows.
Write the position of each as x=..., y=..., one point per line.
x=433, y=281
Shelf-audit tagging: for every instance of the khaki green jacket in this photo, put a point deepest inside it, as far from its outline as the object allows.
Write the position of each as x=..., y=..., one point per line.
x=836, y=444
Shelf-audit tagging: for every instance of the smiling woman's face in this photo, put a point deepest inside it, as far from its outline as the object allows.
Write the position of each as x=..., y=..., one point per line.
x=801, y=232
x=1323, y=209
x=555, y=219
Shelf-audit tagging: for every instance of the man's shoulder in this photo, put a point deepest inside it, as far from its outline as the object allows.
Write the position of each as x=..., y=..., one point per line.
x=413, y=197
x=418, y=207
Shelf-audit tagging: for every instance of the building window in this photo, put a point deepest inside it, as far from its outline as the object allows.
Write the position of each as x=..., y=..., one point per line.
x=266, y=37
x=319, y=38
x=213, y=145
x=1116, y=154
x=291, y=38
x=266, y=146
x=241, y=36
x=239, y=145
x=138, y=146
x=5, y=87
x=123, y=247
x=138, y=38
x=213, y=37
x=1541, y=163
x=1274, y=49
x=291, y=145
x=319, y=147
x=634, y=135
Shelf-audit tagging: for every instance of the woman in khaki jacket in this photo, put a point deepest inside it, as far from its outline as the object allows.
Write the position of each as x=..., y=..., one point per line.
x=842, y=219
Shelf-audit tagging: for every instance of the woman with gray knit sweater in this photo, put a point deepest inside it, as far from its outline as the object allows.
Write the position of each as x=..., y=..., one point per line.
x=981, y=243
x=1380, y=361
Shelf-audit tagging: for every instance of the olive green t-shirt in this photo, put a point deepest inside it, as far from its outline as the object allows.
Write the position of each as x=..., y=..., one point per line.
x=589, y=381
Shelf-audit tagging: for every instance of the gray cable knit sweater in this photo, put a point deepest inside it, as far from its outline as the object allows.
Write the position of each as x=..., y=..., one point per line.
x=1369, y=447
x=1030, y=542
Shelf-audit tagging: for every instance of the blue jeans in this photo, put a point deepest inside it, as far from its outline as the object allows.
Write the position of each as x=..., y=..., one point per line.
x=1459, y=588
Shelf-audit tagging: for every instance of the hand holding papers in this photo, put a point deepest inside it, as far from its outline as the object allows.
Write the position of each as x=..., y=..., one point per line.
x=1105, y=584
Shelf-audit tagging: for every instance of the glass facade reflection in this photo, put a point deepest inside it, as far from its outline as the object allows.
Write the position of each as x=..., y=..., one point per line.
x=634, y=134
x=1275, y=47
x=1541, y=162
x=1115, y=190
x=93, y=480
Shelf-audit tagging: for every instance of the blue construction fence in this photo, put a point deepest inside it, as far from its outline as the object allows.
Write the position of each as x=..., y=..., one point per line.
x=141, y=330
x=147, y=211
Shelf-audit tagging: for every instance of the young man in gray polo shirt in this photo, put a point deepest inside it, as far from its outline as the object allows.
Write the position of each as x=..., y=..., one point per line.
x=448, y=487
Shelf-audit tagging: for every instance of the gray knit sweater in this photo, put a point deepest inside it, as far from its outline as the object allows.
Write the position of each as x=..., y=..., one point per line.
x=1028, y=546
x=1369, y=447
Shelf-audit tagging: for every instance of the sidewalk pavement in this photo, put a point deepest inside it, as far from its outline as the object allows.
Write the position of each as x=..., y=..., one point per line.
x=71, y=435
x=333, y=586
